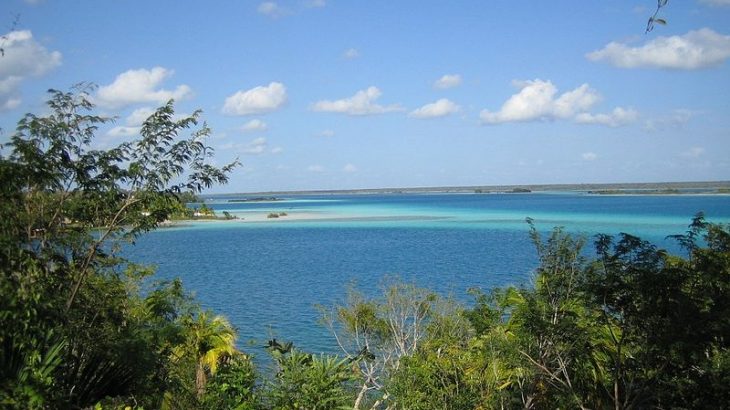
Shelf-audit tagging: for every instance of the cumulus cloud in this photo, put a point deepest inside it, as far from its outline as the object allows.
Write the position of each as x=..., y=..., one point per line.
x=272, y=9
x=616, y=118
x=23, y=57
x=448, y=81
x=589, y=156
x=440, y=108
x=362, y=103
x=351, y=54
x=536, y=101
x=26, y=57
x=140, y=86
x=254, y=125
x=349, y=168
x=539, y=100
x=695, y=50
x=138, y=116
x=133, y=122
x=578, y=100
x=257, y=100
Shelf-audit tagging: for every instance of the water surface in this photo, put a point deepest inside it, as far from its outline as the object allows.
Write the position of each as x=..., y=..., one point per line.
x=267, y=276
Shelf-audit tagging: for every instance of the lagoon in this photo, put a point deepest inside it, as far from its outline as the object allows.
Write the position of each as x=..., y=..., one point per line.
x=268, y=275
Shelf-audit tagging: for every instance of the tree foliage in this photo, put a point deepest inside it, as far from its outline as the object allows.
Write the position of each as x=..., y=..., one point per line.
x=79, y=323
x=309, y=382
x=635, y=327
x=655, y=19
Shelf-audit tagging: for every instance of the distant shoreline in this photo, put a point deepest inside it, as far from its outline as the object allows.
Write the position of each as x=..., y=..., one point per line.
x=656, y=188
x=257, y=199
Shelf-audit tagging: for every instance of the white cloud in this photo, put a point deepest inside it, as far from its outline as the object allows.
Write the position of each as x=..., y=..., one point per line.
x=254, y=125
x=138, y=116
x=716, y=3
x=351, y=54
x=255, y=147
x=315, y=168
x=133, y=122
x=272, y=9
x=695, y=50
x=448, y=81
x=121, y=131
x=676, y=119
x=362, y=103
x=140, y=86
x=536, y=101
x=257, y=100
x=578, y=100
x=9, y=84
x=349, y=168
x=23, y=57
x=589, y=156
x=9, y=103
x=694, y=152
x=277, y=150
x=326, y=134
x=618, y=117
x=440, y=108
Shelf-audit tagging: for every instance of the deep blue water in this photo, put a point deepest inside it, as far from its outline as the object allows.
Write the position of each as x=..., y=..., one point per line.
x=267, y=276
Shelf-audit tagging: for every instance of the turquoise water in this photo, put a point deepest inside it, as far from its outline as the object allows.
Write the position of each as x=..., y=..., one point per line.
x=267, y=276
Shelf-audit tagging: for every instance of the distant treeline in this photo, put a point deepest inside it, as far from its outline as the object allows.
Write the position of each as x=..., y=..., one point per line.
x=257, y=199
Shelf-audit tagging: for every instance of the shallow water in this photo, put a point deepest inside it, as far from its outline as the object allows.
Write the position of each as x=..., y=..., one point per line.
x=267, y=276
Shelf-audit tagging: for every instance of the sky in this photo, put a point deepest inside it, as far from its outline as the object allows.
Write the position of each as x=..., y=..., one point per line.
x=345, y=94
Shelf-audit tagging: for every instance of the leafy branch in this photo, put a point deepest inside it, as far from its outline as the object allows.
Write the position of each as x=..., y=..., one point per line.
x=654, y=19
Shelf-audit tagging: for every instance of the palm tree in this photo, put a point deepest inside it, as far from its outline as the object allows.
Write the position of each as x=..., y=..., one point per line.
x=211, y=339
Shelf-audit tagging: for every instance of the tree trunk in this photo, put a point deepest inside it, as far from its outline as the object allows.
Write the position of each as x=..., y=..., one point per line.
x=360, y=396
x=200, y=380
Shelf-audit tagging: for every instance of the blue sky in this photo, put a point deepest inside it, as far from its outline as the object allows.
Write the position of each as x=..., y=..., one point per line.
x=335, y=94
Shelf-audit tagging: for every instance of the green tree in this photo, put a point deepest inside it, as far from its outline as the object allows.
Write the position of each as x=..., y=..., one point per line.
x=210, y=340
x=670, y=314
x=64, y=207
x=378, y=333
x=309, y=382
x=234, y=386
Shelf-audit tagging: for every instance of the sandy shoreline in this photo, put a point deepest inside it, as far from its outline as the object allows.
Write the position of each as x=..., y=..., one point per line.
x=259, y=217
x=290, y=216
x=286, y=214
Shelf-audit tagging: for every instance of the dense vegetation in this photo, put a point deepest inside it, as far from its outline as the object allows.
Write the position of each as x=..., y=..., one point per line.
x=634, y=327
